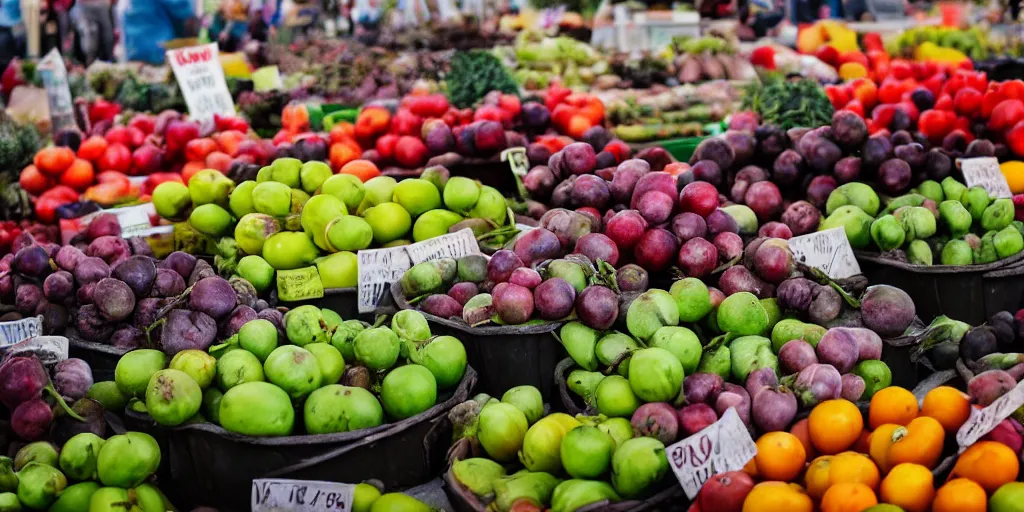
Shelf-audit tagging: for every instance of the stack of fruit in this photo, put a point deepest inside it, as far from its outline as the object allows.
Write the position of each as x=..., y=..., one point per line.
x=254, y=380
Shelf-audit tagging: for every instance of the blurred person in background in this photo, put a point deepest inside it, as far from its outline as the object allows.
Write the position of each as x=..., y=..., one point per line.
x=230, y=25
x=56, y=24
x=148, y=24
x=12, y=32
x=94, y=24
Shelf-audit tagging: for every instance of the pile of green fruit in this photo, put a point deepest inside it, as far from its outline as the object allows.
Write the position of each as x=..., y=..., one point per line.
x=601, y=458
x=945, y=223
x=109, y=474
x=252, y=383
x=296, y=215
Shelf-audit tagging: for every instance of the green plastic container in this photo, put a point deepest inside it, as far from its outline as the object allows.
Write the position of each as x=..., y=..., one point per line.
x=681, y=149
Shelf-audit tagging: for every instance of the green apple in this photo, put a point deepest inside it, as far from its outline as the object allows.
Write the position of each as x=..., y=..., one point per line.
x=339, y=270
x=299, y=198
x=272, y=198
x=389, y=222
x=434, y=223
x=253, y=230
x=348, y=233
x=257, y=271
x=316, y=213
x=171, y=199
x=346, y=187
x=461, y=193
x=209, y=186
x=240, y=201
x=210, y=219
x=490, y=205
x=312, y=175
x=289, y=250
x=286, y=170
x=379, y=190
x=417, y=196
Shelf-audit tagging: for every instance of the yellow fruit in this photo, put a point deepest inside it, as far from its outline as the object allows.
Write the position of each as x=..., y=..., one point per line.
x=1013, y=171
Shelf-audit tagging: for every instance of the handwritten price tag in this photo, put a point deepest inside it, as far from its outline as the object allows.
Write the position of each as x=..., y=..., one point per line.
x=723, y=446
x=134, y=220
x=201, y=80
x=378, y=268
x=49, y=349
x=827, y=250
x=453, y=245
x=55, y=78
x=982, y=422
x=272, y=495
x=20, y=330
x=984, y=172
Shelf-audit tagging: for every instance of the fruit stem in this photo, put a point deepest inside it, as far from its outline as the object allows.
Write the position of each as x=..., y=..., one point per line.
x=379, y=321
x=154, y=325
x=62, y=403
x=823, y=277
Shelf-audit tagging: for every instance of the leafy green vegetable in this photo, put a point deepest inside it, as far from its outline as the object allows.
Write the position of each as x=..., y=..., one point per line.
x=789, y=103
x=475, y=73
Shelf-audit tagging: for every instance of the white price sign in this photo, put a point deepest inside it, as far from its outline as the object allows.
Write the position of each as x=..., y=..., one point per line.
x=134, y=220
x=453, y=245
x=278, y=495
x=723, y=446
x=982, y=422
x=49, y=349
x=201, y=79
x=985, y=173
x=378, y=268
x=20, y=330
x=55, y=78
x=827, y=250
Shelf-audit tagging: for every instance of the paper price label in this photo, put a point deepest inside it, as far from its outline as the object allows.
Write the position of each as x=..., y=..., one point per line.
x=723, y=446
x=20, y=330
x=201, y=80
x=49, y=349
x=516, y=158
x=378, y=268
x=134, y=220
x=55, y=79
x=273, y=495
x=299, y=284
x=827, y=250
x=984, y=172
x=982, y=422
x=453, y=245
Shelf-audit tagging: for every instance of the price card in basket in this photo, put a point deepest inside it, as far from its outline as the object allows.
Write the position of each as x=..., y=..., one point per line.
x=378, y=268
x=201, y=80
x=984, y=172
x=827, y=250
x=982, y=422
x=17, y=331
x=133, y=220
x=55, y=79
x=453, y=245
x=279, y=495
x=723, y=446
x=49, y=349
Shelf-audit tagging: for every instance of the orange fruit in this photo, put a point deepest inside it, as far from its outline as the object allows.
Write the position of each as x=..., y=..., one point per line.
x=79, y=176
x=816, y=477
x=892, y=405
x=909, y=486
x=853, y=467
x=33, y=181
x=960, y=495
x=848, y=497
x=362, y=169
x=53, y=160
x=988, y=463
x=834, y=426
x=92, y=149
x=342, y=153
x=863, y=443
x=777, y=496
x=780, y=456
x=803, y=433
x=950, y=406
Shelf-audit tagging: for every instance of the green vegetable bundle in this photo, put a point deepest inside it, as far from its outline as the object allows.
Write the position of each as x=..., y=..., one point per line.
x=789, y=103
x=475, y=73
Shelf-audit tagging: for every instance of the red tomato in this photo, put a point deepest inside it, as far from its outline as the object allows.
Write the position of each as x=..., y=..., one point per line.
x=967, y=102
x=1006, y=114
x=117, y=157
x=891, y=91
x=900, y=69
x=856, y=107
x=943, y=102
x=837, y=95
x=935, y=124
x=989, y=100
x=1015, y=139
x=1012, y=89
x=882, y=115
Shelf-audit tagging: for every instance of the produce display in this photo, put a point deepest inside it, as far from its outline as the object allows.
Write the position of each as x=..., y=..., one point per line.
x=639, y=303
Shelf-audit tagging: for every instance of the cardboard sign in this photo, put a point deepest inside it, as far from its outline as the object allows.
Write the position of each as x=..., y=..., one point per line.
x=723, y=446
x=299, y=284
x=49, y=349
x=201, y=80
x=55, y=78
x=20, y=330
x=982, y=422
x=516, y=158
x=827, y=250
x=378, y=268
x=984, y=172
x=277, y=495
x=453, y=245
